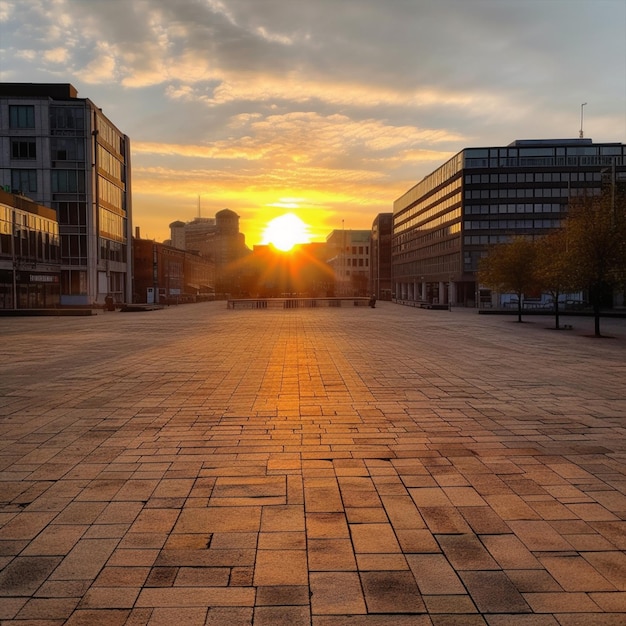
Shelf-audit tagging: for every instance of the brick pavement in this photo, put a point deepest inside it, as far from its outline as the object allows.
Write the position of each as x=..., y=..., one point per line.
x=334, y=467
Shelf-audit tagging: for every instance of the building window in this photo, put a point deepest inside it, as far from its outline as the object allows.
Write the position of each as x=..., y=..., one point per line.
x=22, y=116
x=74, y=282
x=68, y=181
x=24, y=181
x=67, y=149
x=23, y=150
x=74, y=249
x=67, y=119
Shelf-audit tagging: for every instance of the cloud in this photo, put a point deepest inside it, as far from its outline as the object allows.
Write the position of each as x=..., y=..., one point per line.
x=56, y=55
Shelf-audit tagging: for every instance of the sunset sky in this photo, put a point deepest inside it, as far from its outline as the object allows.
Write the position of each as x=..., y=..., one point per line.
x=327, y=109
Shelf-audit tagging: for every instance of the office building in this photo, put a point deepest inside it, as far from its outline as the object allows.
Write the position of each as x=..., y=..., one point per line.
x=482, y=196
x=349, y=258
x=380, y=256
x=64, y=153
x=30, y=254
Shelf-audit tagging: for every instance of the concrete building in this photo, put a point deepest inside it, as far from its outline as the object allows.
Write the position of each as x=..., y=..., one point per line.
x=65, y=154
x=380, y=256
x=349, y=257
x=30, y=254
x=482, y=196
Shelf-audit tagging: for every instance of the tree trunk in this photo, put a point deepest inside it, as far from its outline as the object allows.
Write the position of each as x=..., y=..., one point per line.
x=596, y=318
x=556, y=313
x=519, y=307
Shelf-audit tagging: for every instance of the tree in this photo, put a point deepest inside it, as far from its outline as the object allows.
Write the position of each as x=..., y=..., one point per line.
x=510, y=267
x=596, y=234
x=553, y=267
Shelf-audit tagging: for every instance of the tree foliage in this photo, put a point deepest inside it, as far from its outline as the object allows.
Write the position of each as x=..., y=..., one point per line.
x=553, y=267
x=510, y=268
x=596, y=239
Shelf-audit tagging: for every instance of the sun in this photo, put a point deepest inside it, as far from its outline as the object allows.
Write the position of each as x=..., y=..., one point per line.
x=285, y=232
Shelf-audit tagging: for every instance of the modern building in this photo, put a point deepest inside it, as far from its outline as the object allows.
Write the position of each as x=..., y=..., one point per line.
x=30, y=254
x=380, y=256
x=443, y=225
x=349, y=257
x=64, y=153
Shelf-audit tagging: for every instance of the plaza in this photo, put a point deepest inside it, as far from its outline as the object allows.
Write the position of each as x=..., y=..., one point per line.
x=334, y=466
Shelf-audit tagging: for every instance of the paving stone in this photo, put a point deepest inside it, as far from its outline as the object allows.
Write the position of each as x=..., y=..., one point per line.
x=280, y=567
x=493, y=592
x=374, y=538
x=449, y=605
x=327, y=525
x=532, y=580
x=522, y=620
x=290, y=595
x=391, y=592
x=336, y=593
x=466, y=552
x=47, y=609
x=434, y=575
x=104, y=617
x=24, y=575
x=219, y=616
x=510, y=552
x=330, y=555
x=562, y=603
x=574, y=573
x=539, y=536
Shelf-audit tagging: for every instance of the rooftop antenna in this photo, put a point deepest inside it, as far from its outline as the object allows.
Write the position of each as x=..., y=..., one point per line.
x=581, y=134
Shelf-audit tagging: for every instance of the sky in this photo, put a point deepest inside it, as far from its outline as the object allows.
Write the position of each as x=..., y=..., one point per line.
x=327, y=109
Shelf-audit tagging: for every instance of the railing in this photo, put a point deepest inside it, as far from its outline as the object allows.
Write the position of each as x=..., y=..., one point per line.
x=295, y=303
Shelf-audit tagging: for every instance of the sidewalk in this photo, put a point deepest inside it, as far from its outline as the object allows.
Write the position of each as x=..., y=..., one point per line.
x=336, y=467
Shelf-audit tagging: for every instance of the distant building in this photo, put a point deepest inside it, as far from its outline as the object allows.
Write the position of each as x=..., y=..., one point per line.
x=196, y=235
x=30, y=254
x=380, y=256
x=444, y=224
x=65, y=154
x=349, y=257
x=217, y=239
x=167, y=275
x=300, y=272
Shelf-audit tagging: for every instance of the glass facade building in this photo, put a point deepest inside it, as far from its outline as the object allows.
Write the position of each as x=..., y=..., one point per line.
x=30, y=254
x=62, y=152
x=380, y=256
x=482, y=196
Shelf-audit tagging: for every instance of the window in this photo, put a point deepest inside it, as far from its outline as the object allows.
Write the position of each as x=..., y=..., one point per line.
x=24, y=181
x=68, y=181
x=22, y=116
x=74, y=282
x=23, y=150
x=74, y=249
x=67, y=118
x=67, y=149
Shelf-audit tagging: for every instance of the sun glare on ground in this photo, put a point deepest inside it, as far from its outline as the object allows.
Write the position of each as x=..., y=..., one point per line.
x=285, y=232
